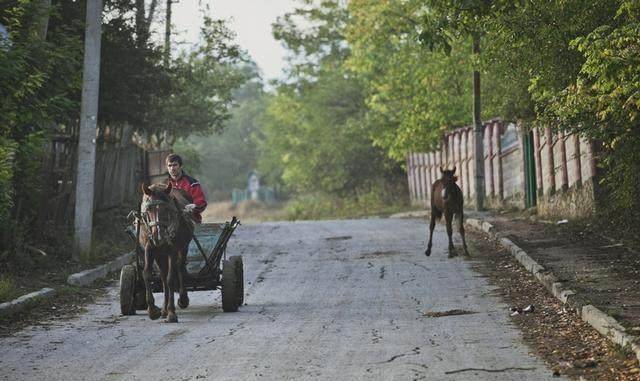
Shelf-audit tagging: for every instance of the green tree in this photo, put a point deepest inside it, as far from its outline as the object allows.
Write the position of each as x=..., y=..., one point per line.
x=527, y=49
x=603, y=104
x=413, y=94
x=225, y=158
x=314, y=138
x=39, y=84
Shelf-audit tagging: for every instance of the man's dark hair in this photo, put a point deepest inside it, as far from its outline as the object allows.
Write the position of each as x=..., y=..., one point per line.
x=174, y=157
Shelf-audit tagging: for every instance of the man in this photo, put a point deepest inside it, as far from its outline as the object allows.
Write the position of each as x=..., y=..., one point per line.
x=179, y=179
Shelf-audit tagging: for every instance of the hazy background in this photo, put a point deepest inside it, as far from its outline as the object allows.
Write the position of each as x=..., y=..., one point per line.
x=250, y=19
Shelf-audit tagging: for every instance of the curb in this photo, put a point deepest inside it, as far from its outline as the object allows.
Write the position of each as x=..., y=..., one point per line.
x=18, y=304
x=600, y=321
x=86, y=277
x=413, y=214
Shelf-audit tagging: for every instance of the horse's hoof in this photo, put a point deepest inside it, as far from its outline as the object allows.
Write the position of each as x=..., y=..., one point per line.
x=172, y=318
x=164, y=314
x=427, y=252
x=154, y=313
x=183, y=303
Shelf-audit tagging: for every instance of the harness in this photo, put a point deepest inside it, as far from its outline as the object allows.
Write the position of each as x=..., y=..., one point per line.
x=171, y=224
x=145, y=221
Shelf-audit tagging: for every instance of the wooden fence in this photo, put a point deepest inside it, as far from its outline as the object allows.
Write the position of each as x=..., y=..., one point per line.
x=523, y=168
x=120, y=169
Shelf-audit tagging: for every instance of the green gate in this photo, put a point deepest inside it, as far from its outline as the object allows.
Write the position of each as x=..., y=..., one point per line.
x=529, y=170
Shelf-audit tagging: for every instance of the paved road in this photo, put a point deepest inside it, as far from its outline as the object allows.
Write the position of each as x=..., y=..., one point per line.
x=330, y=300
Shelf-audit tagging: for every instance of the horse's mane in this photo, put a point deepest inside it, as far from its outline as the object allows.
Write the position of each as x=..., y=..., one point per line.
x=183, y=198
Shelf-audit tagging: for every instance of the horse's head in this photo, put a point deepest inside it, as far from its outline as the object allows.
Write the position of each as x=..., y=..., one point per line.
x=160, y=216
x=448, y=180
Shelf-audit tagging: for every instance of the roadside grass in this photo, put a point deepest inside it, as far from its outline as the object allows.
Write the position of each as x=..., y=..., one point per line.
x=8, y=288
x=306, y=207
x=247, y=211
x=320, y=206
x=47, y=262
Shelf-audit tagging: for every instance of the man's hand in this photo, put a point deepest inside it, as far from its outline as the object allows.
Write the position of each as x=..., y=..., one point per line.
x=189, y=208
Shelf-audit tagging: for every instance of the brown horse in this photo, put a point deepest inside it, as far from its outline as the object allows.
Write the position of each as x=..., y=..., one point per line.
x=165, y=235
x=447, y=199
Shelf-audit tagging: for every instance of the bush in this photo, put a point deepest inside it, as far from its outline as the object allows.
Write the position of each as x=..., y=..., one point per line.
x=375, y=201
x=8, y=289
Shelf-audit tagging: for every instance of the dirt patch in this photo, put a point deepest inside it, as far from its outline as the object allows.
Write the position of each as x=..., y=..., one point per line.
x=569, y=345
x=66, y=304
x=447, y=313
x=378, y=254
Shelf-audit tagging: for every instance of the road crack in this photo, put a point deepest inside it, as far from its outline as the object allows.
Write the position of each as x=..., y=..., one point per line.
x=486, y=370
x=415, y=351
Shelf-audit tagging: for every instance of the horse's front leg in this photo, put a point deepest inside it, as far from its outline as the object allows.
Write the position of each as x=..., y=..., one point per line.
x=171, y=308
x=181, y=263
x=461, y=228
x=432, y=226
x=162, y=264
x=152, y=310
x=448, y=216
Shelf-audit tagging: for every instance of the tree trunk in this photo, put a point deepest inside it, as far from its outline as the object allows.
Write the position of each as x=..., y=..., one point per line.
x=140, y=24
x=45, y=10
x=167, y=36
x=83, y=222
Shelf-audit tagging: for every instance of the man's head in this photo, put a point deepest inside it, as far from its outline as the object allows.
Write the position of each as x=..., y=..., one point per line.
x=174, y=165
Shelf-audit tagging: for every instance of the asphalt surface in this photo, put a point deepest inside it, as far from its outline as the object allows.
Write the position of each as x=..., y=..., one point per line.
x=329, y=300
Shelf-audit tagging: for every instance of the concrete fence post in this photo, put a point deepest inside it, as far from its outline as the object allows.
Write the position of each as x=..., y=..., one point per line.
x=550, y=162
x=564, y=174
x=410, y=178
x=577, y=159
x=420, y=177
x=497, y=128
x=489, y=144
x=427, y=178
x=538, y=157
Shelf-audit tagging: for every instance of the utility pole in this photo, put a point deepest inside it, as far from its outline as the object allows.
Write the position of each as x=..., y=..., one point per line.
x=478, y=131
x=85, y=175
x=167, y=36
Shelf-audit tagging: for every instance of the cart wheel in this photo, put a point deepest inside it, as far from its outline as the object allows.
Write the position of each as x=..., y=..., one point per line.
x=237, y=259
x=230, y=286
x=127, y=290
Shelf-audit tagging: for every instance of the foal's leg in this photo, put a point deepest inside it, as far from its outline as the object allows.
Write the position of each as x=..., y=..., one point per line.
x=461, y=228
x=432, y=226
x=171, y=316
x=448, y=216
x=152, y=310
x=183, y=300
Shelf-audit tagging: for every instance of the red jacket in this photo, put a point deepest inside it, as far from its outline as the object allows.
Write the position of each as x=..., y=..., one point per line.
x=192, y=187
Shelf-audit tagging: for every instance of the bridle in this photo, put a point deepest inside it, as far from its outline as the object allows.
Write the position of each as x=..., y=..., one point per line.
x=149, y=220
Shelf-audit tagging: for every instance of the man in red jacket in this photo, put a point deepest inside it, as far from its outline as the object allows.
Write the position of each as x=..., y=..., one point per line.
x=179, y=179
